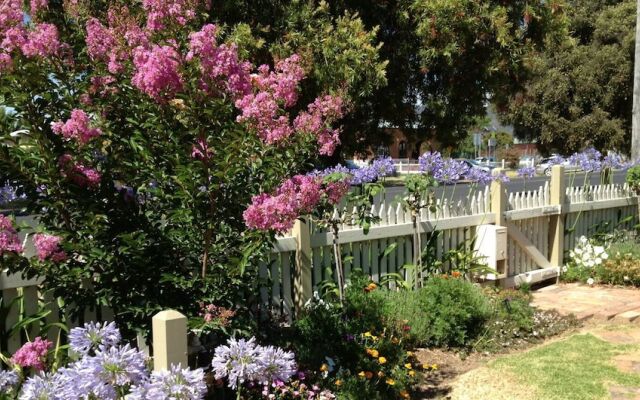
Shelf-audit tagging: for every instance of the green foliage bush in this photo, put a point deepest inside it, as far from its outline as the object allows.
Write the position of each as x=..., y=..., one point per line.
x=633, y=178
x=446, y=312
x=345, y=345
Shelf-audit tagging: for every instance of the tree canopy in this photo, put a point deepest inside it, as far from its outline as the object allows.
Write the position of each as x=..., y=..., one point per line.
x=580, y=92
x=443, y=59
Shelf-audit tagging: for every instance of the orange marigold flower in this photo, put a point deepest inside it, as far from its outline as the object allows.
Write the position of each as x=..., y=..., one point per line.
x=373, y=353
x=404, y=394
x=338, y=382
x=456, y=274
x=324, y=368
x=368, y=374
x=390, y=382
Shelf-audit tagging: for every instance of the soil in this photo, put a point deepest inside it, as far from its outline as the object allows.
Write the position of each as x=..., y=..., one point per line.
x=437, y=384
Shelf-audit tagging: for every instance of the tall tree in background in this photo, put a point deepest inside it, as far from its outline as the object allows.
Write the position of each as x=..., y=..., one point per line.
x=581, y=91
x=445, y=58
x=635, y=126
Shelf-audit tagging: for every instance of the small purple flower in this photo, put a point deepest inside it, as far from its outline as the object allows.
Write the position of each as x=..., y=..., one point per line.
x=430, y=162
x=336, y=169
x=93, y=336
x=8, y=381
x=588, y=161
x=384, y=167
x=177, y=383
x=556, y=160
x=526, y=172
x=9, y=194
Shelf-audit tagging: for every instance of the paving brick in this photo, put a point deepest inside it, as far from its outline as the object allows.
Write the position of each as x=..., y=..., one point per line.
x=627, y=316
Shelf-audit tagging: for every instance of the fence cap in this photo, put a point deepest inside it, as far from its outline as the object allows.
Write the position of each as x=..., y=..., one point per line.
x=168, y=315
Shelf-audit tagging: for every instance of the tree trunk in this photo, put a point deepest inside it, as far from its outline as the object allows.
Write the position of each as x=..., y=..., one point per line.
x=635, y=124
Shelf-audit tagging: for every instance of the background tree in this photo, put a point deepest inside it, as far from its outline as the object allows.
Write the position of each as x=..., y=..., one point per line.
x=580, y=93
x=445, y=58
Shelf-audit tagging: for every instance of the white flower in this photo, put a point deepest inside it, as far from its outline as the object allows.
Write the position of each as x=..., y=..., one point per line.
x=604, y=256
x=598, y=260
x=626, y=278
x=564, y=268
x=598, y=250
x=590, y=281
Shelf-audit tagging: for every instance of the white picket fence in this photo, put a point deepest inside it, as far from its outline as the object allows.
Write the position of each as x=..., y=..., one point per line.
x=286, y=285
x=585, y=211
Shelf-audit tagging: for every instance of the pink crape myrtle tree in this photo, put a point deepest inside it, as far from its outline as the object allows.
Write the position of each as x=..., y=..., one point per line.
x=146, y=137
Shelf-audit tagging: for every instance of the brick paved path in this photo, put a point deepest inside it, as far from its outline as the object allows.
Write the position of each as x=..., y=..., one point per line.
x=599, y=303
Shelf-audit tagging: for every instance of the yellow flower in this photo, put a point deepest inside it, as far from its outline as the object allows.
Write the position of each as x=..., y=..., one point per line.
x=367, y=334
x=409, y=353
x=390, y=382
x=434, y=366
x=324, y=368
x=404, y=394
x=408, y=366
x=361, y=374
x=395, y=340
x=412, y=373
x=380, y=374
x=382, y=360
x=373, y=353
x=338, y=382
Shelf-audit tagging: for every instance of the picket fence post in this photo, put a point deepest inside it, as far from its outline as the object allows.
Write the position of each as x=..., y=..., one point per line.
x=556, y=222
x=498, y=198
x=302, y=284
x=169, y=340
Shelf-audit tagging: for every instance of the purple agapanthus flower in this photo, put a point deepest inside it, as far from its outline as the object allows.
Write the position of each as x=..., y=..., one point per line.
x=277, y=364
x=451, y=171
x=588, y=160
x=526, y=172
x=501, y=177
x=39, y=387
x=93, y=336
x=238, y=361
x=479, y=176
x=613, y=161
x=384, y=167
x=177, y=383
x=556, y=160
x=111, y=368
x=9, y=194
x=430, y=162
x=336, y=169
x=8, y=381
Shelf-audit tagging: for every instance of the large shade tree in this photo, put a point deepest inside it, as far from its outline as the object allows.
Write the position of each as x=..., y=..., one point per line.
x=445, y=58
x=580, y=93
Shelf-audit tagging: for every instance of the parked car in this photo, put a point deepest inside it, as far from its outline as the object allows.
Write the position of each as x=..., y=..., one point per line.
x=475, y=164
x=544, y=167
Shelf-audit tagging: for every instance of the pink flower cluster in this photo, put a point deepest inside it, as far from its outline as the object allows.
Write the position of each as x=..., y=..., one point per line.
x=9, y=241
x=38, y=5
x=201, y=150
x=32, y=354
x=220, y=66
x=48, y=247
x=317, y=121
x=297, y=196
x=163, y=12
x=220, y=315
x=113, y=44
x=37, y=40
x=156, y=71
x=78, y=173
x=261, y=110
x=77, y=127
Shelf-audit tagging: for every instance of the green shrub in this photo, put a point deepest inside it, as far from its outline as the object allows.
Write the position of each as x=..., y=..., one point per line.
x=622, y=269
x=446, y=312
x=633, y=178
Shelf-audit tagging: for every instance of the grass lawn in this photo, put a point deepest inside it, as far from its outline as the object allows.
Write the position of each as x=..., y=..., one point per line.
x=579, y=368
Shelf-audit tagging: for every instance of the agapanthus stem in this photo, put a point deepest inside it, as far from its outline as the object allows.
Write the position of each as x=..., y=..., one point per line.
x=338, y=258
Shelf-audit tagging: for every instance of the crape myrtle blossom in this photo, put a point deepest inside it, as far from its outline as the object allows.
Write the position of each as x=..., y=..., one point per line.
x=161, y=13
x=244, y=361
x=77, y=127
x=32, y=354
x=220, y=66
x=157, y=71
x=48, y=247
x=79, y=174
x=9, y=240
x=320, y=114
